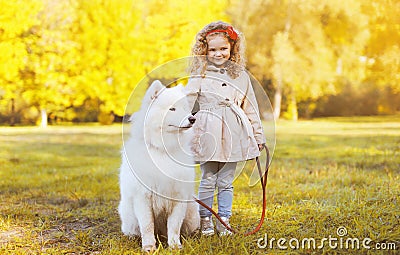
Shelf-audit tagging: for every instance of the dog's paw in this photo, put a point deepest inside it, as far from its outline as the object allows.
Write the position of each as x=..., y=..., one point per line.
x=128, y=228
x=174, y=243
x=175, y=247
x=149, y=248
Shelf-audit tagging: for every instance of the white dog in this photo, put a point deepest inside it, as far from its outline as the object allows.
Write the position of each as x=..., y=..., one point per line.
x=157, y=172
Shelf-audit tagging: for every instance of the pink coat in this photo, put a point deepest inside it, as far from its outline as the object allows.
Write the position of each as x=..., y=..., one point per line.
x=228, y=126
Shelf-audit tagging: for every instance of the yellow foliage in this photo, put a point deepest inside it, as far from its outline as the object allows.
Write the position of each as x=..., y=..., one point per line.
x=57, y=54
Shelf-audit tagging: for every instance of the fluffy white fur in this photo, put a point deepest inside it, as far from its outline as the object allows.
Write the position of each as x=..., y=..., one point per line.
x=157, y=172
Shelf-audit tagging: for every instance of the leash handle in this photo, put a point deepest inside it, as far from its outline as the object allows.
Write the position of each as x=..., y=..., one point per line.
x=263, y=181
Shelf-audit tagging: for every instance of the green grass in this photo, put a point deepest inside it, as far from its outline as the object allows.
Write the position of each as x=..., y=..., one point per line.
x=59, y=190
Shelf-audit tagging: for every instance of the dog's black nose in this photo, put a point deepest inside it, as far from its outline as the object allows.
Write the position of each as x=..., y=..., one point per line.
x=192, y=119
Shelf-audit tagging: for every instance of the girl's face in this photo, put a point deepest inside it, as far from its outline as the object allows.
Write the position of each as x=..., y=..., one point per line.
x=219, y=50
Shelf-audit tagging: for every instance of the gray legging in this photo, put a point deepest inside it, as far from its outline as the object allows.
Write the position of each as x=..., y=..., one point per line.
x=217, y=175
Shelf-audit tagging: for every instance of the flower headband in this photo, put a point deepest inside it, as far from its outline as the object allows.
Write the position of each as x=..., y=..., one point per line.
x=229, y=31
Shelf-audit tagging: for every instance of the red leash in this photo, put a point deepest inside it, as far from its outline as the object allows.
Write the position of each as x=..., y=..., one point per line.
x=263, y=181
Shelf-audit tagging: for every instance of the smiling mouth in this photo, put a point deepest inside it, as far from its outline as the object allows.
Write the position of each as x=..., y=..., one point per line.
x=219, y=60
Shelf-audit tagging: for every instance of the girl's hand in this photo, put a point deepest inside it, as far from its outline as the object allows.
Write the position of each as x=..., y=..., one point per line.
x=261, y=146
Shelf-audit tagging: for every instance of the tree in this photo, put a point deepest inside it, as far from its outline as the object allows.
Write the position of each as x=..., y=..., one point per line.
x=291, y=48
x=311, y=49
x=124, y=41
x=59, y=54
x=17, y=18
x=50, y=62
x=383, y=51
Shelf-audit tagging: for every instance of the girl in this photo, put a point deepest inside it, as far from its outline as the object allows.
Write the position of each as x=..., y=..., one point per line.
x=227, y=128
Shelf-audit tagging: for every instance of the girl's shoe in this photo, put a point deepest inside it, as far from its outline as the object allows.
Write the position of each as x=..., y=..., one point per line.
x=206, y=226
x=221, y=229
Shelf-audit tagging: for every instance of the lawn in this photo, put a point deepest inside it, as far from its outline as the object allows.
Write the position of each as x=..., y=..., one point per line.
x=335, y=181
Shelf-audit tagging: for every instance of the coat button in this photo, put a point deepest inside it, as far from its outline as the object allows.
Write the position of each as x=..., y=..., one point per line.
x=222, y=70
x=223, y=84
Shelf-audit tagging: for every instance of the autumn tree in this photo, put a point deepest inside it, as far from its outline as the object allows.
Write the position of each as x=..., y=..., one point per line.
x=18, y=17
x=72, y=51
x=381, y=59
x=121, y=42
x=58, y=56
x=51, y=60
x=302, y=46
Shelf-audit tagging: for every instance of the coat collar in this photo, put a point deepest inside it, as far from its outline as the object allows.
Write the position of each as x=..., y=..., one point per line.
x=213, y=68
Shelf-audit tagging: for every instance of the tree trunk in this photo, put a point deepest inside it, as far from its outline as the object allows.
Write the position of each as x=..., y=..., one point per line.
x=293, y=103
x=278, y=95
x=43, y=120
x=279, y=78
x=339, y=67
x=12, y=119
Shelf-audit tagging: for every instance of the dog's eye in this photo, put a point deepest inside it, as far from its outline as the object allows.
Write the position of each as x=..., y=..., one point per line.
x=172, y=109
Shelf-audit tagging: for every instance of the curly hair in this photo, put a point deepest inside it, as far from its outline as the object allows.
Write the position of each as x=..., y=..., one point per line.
x=237, y=60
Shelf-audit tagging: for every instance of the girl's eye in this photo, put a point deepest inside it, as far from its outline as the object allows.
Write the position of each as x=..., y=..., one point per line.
x=172, y=109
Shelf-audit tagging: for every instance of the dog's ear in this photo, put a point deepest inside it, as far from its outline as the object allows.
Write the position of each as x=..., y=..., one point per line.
x=180, y=86
x=153, y=91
